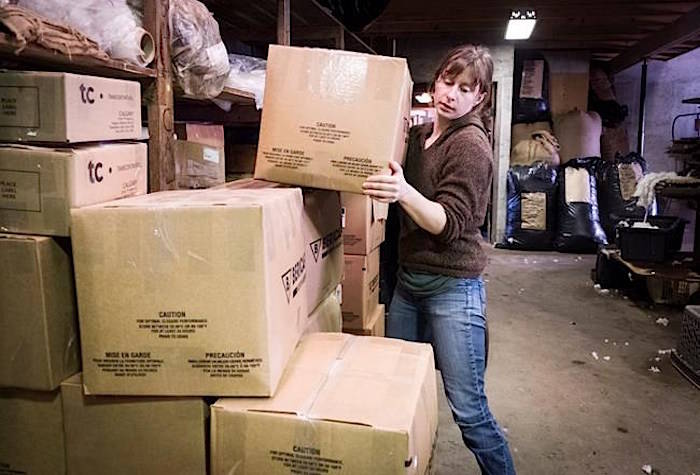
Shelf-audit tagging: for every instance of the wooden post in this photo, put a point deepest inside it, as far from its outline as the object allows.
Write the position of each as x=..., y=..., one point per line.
x=283, y=23
x=340, y=42
x=161, y=158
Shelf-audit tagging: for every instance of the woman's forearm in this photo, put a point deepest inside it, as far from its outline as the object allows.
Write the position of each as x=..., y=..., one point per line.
x=427, y=214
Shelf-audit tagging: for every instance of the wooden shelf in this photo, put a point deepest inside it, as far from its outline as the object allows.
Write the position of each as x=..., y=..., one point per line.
x=232, y=95
x=37, y=56
x=237, y=97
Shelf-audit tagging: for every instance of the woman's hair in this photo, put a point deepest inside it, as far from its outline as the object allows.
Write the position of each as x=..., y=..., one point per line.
x=478, y=60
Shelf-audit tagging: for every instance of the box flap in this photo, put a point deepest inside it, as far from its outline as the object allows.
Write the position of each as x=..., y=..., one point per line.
x=199, y=198
x=379, y=210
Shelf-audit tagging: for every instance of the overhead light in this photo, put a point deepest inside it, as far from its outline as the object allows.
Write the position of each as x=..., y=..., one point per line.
x=521, y=24
x=424, y=98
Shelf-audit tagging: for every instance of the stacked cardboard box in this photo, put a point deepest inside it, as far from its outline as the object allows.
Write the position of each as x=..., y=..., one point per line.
x=207, y=292
x=323, y=237
x=39, y=186
x=111, y=435
x=364, y=223
x=200, y=160
x=331, y=412
x=190, y=292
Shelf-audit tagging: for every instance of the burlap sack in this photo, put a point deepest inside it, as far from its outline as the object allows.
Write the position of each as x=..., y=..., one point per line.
x=579, y=134
x=26, y=27
x=542, y=146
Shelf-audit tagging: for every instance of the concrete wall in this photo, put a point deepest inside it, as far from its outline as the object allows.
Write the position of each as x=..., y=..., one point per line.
x=424, y=58
x=668, y=83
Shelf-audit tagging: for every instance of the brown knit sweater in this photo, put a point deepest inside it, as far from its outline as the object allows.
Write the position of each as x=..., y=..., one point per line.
x=455, y=171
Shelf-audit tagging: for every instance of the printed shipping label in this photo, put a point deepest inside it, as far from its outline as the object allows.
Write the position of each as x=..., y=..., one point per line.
x=211, y=155
x=533, y=211
x=577, y=186
x=532, y=79
x=630, y=174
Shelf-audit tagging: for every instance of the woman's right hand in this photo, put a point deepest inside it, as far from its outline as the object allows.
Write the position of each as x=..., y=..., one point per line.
x=387, y=188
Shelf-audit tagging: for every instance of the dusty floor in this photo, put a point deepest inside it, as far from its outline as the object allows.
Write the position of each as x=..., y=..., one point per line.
x=564, y=411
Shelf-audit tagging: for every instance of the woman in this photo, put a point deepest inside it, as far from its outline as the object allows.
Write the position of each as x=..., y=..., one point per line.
x=443, y=194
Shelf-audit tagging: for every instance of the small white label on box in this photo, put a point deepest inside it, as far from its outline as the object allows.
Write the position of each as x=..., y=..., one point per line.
x=211, y=155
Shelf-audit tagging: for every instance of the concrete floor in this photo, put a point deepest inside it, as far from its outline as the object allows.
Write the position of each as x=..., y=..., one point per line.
x=564, y=411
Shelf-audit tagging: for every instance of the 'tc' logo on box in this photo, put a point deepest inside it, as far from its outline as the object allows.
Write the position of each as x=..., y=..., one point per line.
x=94, y=172
x=86, y=94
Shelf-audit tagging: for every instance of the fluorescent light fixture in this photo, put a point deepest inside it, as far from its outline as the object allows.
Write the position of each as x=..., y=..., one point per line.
x=424, y=98
x=521, y=24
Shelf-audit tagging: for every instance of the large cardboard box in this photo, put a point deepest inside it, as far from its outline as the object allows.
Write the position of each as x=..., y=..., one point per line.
x=321, y=225
x=198, y=165
x=376, y=326
x=569, y=73
x=38, y=318
x=31, y=433
x=346, y=405
x=117, y=435
x=326, y=317
x=360, y=289
x=62, y=107
x=39, y=186
x=205, y=134
x=332, y=118
x=364, y=223
x=190, y=292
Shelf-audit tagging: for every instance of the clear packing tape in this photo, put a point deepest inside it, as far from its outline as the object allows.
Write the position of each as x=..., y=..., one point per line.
x=199, y=57
x=114, y=25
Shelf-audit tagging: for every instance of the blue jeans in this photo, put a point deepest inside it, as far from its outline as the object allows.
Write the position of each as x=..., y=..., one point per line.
x=454, y=322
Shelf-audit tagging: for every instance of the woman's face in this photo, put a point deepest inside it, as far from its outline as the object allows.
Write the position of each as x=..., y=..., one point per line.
x=455, y=97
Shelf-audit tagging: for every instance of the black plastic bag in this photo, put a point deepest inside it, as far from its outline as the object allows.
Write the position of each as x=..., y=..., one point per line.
x=532, y=207
x=616, y=182
x=579, y=228
x=530, y=109
x=611, y=112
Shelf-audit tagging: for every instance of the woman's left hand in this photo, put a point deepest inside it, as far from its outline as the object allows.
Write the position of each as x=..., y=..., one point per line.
x=387, y=188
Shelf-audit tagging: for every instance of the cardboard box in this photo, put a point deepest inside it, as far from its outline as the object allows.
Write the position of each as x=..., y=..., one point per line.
x=569, y=73
x=190, y=292
x=198, y=166
x=39, y=186
x=240, y=158
x=326, y=318
x=376, y=326
x=62, y=107
x=331, y=118
x=360, y=289
x=205, y=134
x=346, y=405
x=31, y=433
x=38, y=316
x=117, y=435
x=322, y=233
x=364, y=223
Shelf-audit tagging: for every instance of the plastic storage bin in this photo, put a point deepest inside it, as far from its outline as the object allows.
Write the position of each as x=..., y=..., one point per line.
x=651, y=244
